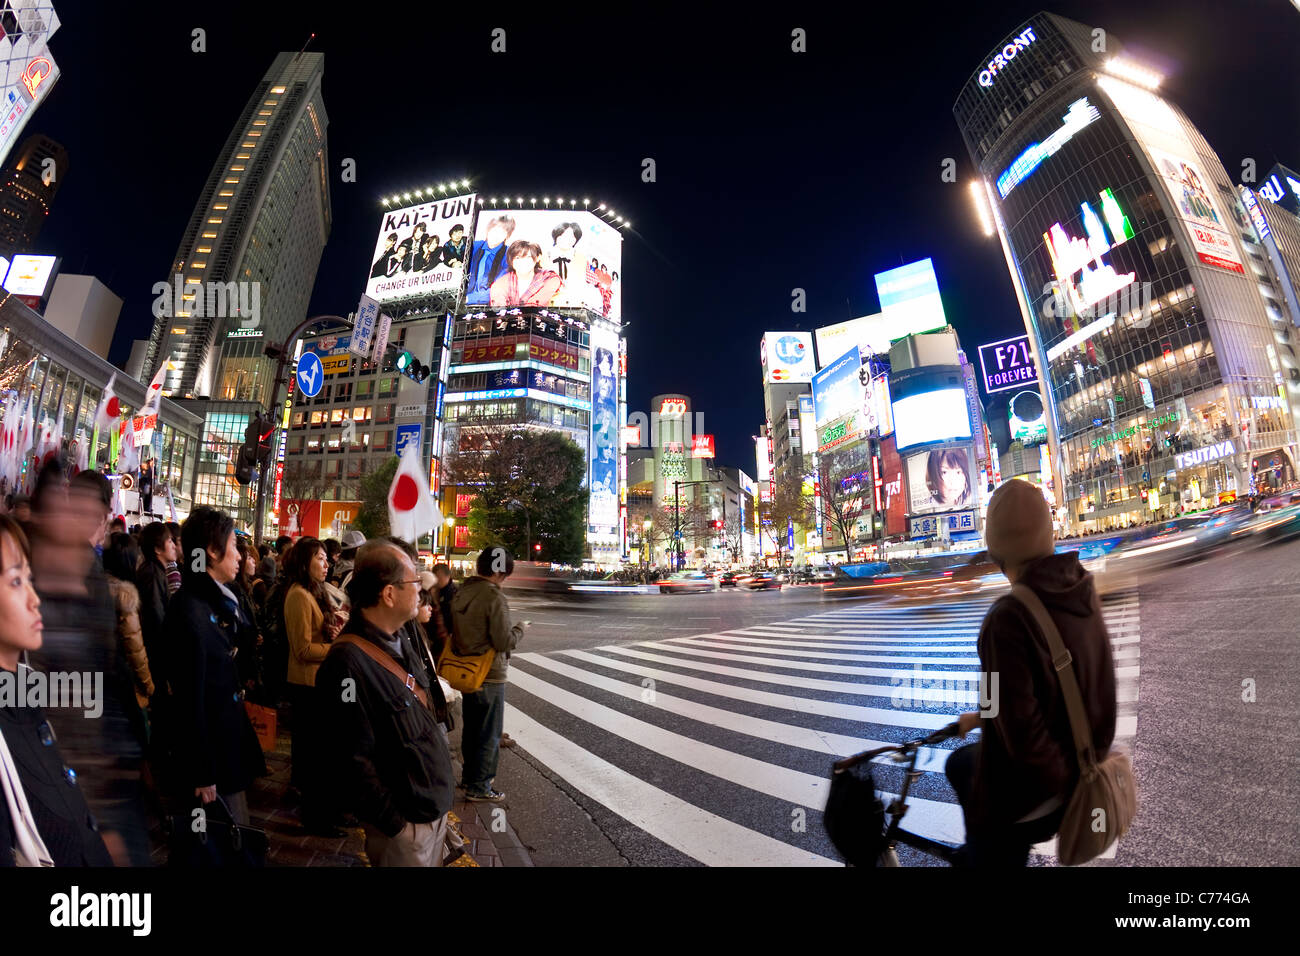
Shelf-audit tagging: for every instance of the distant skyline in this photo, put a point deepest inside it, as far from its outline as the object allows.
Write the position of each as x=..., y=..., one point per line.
x=775, y=171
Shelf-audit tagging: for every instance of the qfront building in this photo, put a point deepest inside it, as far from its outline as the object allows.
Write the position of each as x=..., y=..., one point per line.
x=1157, y=331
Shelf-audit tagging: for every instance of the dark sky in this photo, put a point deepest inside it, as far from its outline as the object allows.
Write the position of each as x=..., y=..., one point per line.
x=774, y=170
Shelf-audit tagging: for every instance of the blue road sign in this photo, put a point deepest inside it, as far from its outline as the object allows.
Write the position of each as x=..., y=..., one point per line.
x=407, y=434
x=311, y=374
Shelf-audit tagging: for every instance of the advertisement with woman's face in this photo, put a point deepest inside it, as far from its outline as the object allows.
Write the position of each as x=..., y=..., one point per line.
x=942, y=479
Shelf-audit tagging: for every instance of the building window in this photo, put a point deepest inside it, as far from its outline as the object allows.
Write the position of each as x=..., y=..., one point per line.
x=366, y=388
x=383, y=440
x=318, y=418
x=385, y=413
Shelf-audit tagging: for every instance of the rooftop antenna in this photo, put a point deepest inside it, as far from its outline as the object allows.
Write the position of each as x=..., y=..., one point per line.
x=307, y=44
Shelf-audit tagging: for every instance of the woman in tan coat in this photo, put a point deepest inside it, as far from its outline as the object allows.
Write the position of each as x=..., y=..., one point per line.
x=121, y=559
x=310, y=624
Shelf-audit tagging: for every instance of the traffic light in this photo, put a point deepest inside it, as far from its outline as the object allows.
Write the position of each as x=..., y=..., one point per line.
x=256, y=450
x=411, y=367
x=265, y=431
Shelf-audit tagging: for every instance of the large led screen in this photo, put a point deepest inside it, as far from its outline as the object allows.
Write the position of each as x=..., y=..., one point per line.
x=787, y=357
x=909, y=299
x=1191, y=190
x=546, y=257
x=940, y=415
x=603, y=503
x=942, y=479
x=421, y=249
x=837, y=390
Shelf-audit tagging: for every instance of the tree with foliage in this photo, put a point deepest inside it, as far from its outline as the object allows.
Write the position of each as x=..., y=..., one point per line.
x=543, y=471
x=788, y=505
x=844, y=480
x=372, y=518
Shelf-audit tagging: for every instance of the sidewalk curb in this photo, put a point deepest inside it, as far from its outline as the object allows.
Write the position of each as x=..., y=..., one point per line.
x=488, y=845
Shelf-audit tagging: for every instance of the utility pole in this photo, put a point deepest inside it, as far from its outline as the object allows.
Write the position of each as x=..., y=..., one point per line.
x=282, y=351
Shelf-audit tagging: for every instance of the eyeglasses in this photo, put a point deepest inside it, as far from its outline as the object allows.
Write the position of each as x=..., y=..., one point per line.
x=396, y=583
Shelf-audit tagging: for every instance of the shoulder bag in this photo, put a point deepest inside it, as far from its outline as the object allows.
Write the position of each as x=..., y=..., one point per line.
x=1104, y=802
x=464, y=672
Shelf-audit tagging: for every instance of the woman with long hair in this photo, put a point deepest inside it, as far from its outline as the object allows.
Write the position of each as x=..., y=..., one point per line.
x=310, y=625
x=947, y=478
x=121, y=560
x=44, y=819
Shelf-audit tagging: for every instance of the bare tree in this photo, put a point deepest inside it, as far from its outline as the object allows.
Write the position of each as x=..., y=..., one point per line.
x=787, y=506
x=845, y=487
x=734, y=527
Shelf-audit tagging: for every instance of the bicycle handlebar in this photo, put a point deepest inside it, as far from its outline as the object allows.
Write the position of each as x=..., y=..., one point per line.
x=940, y=735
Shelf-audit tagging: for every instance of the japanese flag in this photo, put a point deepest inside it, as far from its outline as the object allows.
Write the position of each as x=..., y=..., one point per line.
x=109, y=410
x=411, y=509
x=128, y=460
x=153, y=397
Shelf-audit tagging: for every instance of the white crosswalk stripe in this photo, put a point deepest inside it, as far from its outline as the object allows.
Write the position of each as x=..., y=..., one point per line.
x=718, y=744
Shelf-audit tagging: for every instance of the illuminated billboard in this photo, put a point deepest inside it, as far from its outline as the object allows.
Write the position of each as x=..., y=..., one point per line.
x=1081, y=113
x=909, y=299
x=603, y=506
x=942, y=479
x=546, y=257
x=869, y=333
x=30, y=275
x=421, y=249
x=1027, y=419
x=935, y=416
x=787, y=357
x=1085, y=277
x=837, y=390
x=1007, y=364
x=1191, y=190
x=702, y=446
x=762, y=459
x=891, y=488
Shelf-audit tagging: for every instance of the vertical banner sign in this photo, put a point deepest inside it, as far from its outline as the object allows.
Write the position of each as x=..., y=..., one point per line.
x=603, y=463
x=279, y=455
x=363, y=327
x=382, y=328
x=973, y=404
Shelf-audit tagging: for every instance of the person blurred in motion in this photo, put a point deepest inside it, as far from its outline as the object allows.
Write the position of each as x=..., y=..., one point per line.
x=44, y=817
x=173, y=566
x=481, y=616
x=217, y=750
x=250, y=649
x=20, y=509
x=383, y=752
x=121, y=558
x=332, y=549
x=263, y=582
x=1014, y=783
x=80, y=636
x=310, y=624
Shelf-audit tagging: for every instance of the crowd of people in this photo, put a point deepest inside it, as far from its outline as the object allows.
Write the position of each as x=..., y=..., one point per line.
x=161, y=641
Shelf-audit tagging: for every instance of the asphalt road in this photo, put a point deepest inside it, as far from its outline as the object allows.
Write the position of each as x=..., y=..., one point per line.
x=697, y=729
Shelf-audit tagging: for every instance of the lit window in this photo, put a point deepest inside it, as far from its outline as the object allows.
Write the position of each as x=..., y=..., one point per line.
x=203, y=249
x=227, y=193
x=246, y=146
x=265, y=112
x=277, y=89
x=255, y=133
x=215, y=222
x=178, y=331
x=271, y=103
x=199, y=265
x=220, y=207
x=209, y=235
x=259, y=122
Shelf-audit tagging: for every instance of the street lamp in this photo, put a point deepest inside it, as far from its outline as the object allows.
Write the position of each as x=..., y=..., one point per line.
x=451, y=524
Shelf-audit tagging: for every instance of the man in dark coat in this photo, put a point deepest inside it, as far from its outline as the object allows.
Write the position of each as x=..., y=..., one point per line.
x=1015, y=783
x=216, y=747
x=384, y=751
x=158, y=548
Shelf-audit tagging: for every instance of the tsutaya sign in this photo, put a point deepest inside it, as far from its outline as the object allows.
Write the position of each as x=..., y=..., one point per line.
x=1008, y=53
x=1202, y=455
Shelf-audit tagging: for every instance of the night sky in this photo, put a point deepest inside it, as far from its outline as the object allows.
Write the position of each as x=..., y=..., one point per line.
x=775, y=170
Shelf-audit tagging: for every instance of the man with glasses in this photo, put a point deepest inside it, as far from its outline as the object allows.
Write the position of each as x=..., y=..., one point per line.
x=385, y=754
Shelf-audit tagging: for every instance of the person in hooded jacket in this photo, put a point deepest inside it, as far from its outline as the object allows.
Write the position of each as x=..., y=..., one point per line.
x=1015, y=783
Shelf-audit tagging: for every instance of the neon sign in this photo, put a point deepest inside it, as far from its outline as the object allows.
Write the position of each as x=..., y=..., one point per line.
x=1008, y=54
x=1080, y=114
x=1256, y=214
x=37, y=72
x=1071, y=255
x=672, y=406
x=1202, y=455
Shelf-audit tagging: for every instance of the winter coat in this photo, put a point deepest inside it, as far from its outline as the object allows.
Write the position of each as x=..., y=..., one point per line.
x=127, y=601
x=382, y=750
x=151, y=586
x=1027, y=753
x=304, y=624
x=481, y=620
x=215, y=742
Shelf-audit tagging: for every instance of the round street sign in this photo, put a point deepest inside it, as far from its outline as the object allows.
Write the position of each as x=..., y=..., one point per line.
x=311, y=374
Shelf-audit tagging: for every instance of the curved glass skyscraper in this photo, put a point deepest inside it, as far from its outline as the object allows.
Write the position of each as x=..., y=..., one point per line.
x=1164, y=345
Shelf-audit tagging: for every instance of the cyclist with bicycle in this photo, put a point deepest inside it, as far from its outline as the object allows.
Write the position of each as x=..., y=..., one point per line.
x=1014, y=782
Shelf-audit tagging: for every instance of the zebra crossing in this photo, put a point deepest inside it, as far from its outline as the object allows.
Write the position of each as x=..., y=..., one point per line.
x=719, y=744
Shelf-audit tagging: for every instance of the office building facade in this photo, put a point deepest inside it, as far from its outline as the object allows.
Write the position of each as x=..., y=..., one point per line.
x=30, y=181
x=1123, y=238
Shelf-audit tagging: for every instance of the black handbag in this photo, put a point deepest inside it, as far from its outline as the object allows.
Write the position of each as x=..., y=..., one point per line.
x=222, y=843
x=854, y=817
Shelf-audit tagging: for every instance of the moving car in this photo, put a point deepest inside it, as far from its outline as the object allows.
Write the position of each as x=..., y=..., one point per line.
x=728, y=579
x=763, y=581
x=823, y=576
x=687, y=581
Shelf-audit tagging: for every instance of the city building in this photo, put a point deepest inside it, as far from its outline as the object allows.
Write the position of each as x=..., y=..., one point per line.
x=364, y=414
x=1123, y=238
x=244, y=270
x=85, y=310
x=536, y=343
x=61, y=377
x=27, y=68
x=677, y=493
x=28, y=185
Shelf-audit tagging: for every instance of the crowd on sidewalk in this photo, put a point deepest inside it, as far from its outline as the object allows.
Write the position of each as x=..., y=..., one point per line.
x=171, y=647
